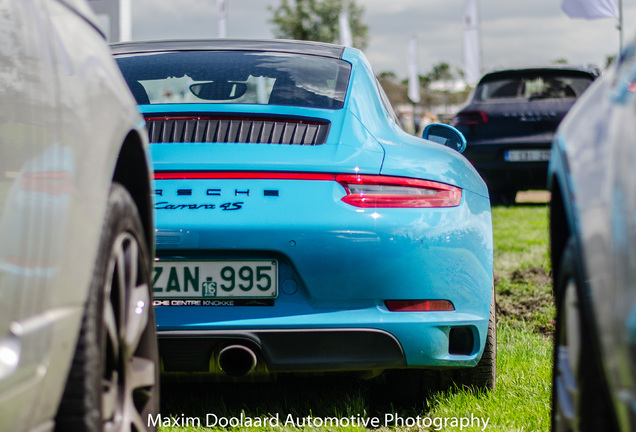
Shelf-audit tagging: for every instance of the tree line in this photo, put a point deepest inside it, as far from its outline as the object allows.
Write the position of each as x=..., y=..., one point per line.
x=318, y=20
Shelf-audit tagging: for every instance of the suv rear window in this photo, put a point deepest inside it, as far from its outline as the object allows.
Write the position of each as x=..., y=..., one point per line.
x=547, y=85
x=240, y=77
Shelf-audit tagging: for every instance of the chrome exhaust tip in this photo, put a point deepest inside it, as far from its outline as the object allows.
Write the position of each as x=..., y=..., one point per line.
x=236, y=360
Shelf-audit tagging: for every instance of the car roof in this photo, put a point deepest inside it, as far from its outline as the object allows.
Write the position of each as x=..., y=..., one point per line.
x=589, y=69
x=273, y=45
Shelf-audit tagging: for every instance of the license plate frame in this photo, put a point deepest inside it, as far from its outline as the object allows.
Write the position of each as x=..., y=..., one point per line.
x=205, y=279
x=533, y=155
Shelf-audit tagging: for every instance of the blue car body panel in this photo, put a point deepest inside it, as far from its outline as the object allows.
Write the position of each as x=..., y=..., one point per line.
x=330, y=264
x=337, y=263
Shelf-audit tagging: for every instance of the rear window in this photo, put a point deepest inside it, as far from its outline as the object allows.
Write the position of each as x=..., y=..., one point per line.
x=243, y=77
x=538, y=85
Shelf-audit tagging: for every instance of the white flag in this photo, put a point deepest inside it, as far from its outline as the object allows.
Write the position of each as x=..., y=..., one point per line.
x=472, y=68
x=345, y=29
x=221, y=8
x=414, y=82
x=590, y=9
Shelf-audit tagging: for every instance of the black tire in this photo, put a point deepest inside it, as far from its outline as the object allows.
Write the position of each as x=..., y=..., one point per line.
x=503, y=196
x=580, y=400
x=484, y=375
x=113, y=384
x=411, y=387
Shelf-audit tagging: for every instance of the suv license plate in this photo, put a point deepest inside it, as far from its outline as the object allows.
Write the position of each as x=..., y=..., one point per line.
x=527, y=155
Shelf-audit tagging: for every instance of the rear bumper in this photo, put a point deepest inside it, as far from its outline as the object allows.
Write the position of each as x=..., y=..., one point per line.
x=373, y=339
x=489, y=160
x=295, y=350
x=522, y=176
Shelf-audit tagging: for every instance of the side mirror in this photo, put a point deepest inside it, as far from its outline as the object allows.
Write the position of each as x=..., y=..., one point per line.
x=445, y=135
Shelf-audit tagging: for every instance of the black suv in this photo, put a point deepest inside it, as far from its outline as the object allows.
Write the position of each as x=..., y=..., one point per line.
x=509, y=121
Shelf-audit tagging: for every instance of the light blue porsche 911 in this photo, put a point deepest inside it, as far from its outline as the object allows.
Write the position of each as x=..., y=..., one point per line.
x=299, y=229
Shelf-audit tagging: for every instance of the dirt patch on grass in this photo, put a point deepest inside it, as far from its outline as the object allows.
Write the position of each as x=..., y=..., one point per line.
x=534, y=275
x=526, y=295
x=526, y=309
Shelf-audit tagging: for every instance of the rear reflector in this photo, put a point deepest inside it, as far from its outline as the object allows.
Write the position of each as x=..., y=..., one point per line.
x=419, y=305
x=382, y=191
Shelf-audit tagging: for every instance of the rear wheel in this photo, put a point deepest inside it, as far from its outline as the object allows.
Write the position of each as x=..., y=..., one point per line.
x=113, y=383
x=483, y=376
x=414, y=385
x=579, y=398
x=503, y=196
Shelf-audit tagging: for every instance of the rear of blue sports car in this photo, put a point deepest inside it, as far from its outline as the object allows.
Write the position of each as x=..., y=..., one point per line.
x=298, y=228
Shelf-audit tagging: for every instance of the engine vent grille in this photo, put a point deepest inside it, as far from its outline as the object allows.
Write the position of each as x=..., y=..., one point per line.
x=174, y=129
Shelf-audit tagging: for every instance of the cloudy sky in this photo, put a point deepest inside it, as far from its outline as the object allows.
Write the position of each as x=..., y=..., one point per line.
x=513, y=32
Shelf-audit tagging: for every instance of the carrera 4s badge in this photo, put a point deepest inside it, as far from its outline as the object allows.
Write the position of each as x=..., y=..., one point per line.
x=228, y=206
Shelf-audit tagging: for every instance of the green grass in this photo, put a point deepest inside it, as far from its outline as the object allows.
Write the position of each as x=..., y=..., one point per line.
x=522, y=266
x=521, y=238
x=521, y=401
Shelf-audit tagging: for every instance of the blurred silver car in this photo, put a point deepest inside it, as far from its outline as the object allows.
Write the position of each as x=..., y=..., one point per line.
x=592, y=176
x=77, y=329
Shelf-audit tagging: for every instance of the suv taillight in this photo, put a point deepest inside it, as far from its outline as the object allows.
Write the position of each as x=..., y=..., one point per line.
x=470, y=118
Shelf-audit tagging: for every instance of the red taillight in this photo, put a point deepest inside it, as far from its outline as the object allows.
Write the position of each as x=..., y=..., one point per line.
x=240, y=175
x=419, y=305
x=362, y=190
x=470, y=118
x=382, y=191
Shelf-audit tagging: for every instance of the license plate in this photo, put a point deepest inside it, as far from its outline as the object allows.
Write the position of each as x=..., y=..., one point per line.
x=527, y=155
x=256, y=279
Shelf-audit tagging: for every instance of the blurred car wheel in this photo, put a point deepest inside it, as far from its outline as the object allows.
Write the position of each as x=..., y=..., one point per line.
x=113, y=384
x=578, y=396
